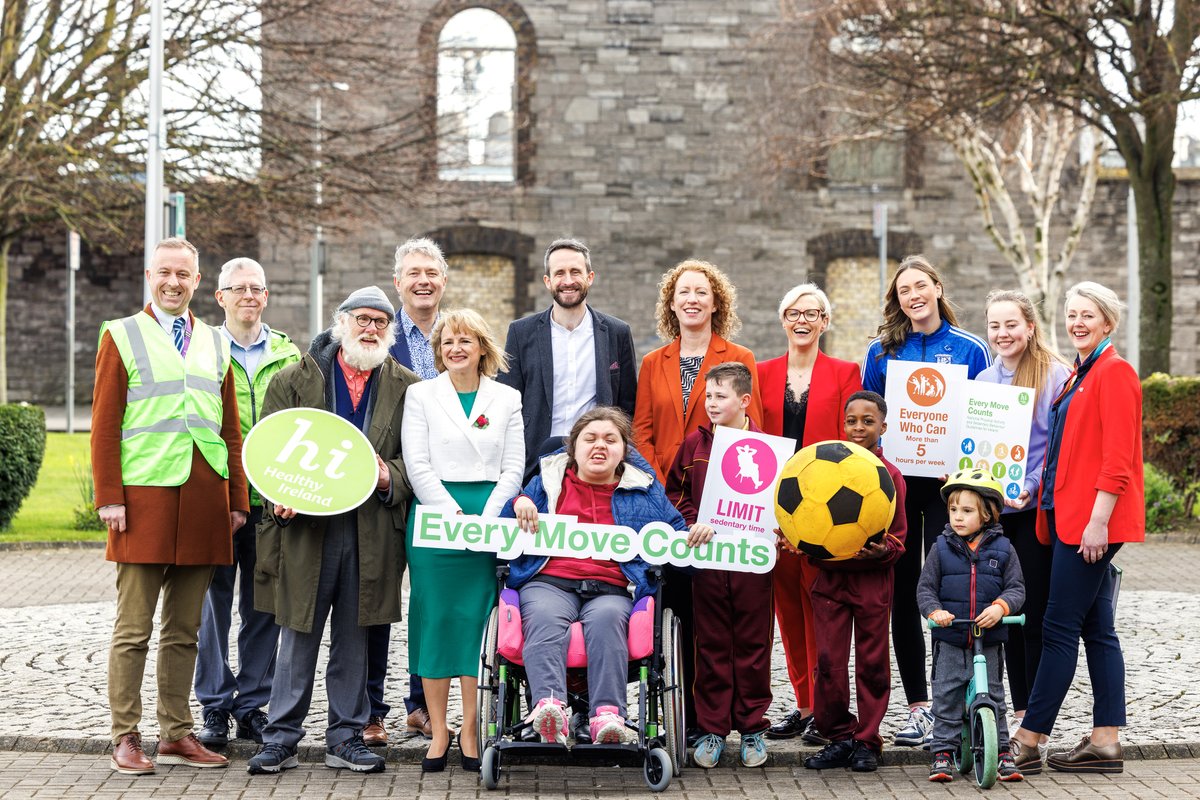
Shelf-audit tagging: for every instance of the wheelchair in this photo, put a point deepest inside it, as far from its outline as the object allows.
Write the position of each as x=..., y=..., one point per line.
x=655, y=665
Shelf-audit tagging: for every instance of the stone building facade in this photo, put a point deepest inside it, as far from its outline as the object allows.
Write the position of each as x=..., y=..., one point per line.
x=635, y=130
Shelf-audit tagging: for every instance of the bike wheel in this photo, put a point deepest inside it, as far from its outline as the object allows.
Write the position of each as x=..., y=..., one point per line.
x=986, y=746
x=964, y=759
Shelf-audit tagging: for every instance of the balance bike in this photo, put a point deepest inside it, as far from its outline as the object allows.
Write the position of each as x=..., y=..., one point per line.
x=979, y=749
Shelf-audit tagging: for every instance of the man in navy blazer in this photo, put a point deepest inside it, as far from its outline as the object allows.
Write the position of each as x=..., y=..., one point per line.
x=570, y=357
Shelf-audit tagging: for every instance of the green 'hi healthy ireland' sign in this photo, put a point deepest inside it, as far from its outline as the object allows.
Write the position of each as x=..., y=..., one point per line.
x=310, y=460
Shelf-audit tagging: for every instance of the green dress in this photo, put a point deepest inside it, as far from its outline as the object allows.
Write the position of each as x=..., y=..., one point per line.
x=452, y=591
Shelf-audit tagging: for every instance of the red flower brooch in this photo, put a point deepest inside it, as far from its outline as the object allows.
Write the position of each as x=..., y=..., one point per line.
x=481, y=422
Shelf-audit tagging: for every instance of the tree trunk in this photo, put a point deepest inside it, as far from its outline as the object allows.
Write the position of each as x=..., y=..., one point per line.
x=4, y=245
x=1153, y=192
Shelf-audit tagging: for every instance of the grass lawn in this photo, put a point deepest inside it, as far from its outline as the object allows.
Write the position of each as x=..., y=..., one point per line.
x=47, y=513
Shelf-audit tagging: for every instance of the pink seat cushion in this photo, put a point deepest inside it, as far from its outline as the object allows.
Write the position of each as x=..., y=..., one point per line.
x=510, y=641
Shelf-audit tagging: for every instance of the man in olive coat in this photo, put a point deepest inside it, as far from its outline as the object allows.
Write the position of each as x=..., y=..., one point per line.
x=346, y=567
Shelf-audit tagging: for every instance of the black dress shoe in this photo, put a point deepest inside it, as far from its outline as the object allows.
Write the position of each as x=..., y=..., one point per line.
x=215, y=732
x=581, y=728
x=834, y=755
x=863, y=759
x=251, y=725
x=813, y=736
x=790, y=726
x=692, y=736
x=469, y=763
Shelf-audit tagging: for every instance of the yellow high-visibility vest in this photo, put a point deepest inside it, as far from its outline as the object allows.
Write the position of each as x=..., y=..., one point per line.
x=172, y=401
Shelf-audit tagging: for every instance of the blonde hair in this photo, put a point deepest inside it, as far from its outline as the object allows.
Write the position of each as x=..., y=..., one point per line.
x=1105, y=299
x=1034, y=367
x=806, y=290
x=492, y=358
x=725, y=322
x=896, y=325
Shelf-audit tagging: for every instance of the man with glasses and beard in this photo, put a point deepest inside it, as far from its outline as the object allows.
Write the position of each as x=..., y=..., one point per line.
x=570, y=357
x=345, y=567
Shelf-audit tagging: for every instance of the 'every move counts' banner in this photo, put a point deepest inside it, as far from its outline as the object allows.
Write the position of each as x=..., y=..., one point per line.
x=565, y=536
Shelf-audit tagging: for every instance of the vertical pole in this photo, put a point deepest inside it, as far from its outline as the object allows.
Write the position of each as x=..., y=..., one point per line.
x=1133, y=285
x=155, y=139
x=880, y=220
x=72, y=268
x=316, y=288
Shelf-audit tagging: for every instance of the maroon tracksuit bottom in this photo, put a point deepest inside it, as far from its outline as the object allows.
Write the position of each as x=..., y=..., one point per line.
x=858, y=600
x=734, y=626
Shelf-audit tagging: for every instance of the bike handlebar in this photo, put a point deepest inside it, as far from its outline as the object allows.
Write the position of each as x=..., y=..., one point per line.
x=1018, y=619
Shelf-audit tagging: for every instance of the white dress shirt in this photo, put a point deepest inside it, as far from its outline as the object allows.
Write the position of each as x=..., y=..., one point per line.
x=574, y=373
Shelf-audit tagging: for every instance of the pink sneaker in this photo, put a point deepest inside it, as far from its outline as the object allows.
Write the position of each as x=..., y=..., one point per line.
x=549, y=719
x=608, y=726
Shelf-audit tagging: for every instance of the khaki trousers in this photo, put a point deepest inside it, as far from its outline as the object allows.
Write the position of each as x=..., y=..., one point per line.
x=138, y=589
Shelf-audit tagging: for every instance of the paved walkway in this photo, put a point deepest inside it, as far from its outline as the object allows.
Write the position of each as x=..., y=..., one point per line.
x=42, y=776
x=56, y=612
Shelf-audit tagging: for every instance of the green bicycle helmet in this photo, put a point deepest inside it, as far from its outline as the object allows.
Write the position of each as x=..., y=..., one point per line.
x=978, y=481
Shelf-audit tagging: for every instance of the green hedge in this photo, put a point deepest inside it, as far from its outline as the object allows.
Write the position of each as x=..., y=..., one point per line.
x=22, y=443
x=1171, y=430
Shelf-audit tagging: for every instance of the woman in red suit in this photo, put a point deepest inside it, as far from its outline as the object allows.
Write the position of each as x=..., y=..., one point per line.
x=804, y=393
x=697, y=310
x=1092, y=500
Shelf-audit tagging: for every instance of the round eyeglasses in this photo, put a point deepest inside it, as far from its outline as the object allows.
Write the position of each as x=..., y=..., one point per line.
x=809, y=314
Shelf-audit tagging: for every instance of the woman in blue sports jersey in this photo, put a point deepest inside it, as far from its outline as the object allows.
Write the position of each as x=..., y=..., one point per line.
x=918, y=325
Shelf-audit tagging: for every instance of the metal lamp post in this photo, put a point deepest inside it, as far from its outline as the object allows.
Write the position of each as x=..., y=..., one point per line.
x=316, y=278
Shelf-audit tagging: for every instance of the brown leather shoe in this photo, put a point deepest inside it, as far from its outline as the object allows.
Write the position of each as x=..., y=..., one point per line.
x=129, y=758
x=375, y=735
x=1087, y=757
x=189, y=752
x=418, y=722
x=1028, y=759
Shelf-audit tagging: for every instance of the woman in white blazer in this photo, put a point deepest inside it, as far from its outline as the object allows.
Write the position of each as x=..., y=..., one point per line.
x=464, y=449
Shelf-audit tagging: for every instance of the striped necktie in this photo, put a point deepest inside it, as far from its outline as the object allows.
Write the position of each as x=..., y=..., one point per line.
x=178, y=328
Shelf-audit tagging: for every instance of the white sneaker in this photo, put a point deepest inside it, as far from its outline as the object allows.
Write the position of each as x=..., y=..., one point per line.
x=917, y=730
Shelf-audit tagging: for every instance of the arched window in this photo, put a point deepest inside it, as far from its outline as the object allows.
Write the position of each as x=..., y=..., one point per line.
x=476, y=97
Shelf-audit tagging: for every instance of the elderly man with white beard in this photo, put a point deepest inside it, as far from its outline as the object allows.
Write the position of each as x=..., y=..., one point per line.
x=345, y=568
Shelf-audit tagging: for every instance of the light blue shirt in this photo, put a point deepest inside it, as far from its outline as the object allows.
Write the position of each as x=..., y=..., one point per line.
x=249, y=357
x=420, y=349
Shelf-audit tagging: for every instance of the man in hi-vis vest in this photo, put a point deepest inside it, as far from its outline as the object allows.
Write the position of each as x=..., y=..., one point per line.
x=166, y=460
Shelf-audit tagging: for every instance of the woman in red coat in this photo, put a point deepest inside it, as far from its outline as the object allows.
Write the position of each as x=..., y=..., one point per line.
x=1092, y=500
x=697, y=311
x=804, y=393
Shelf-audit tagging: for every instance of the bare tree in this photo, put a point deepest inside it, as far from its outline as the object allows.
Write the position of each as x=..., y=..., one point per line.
x=1120, y=66
x=243, y=139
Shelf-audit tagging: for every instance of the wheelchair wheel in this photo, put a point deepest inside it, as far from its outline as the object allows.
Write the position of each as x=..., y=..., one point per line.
x=657, y=769
x=983, y=732
x=489, y=768
x=964, y=759
x=674, y=725
x=490, y=726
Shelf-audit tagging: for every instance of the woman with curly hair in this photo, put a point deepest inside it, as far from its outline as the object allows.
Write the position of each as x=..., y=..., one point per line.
x=696, y=312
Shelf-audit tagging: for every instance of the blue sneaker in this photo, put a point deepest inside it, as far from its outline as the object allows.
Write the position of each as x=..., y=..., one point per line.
x=353, y=755
x=271, y=759
x=754, y=750
x=708, y=751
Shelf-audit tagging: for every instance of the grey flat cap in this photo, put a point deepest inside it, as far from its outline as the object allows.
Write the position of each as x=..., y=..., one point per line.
x=369, y=297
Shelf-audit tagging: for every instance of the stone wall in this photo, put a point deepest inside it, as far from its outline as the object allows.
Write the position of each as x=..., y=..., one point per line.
x=640, y=140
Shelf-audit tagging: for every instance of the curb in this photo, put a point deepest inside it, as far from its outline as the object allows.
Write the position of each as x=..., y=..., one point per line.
x=66, y=544
x=411, y=749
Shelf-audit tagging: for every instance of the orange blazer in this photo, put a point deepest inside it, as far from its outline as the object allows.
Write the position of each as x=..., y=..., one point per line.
x=659, y=424
x=833, y=381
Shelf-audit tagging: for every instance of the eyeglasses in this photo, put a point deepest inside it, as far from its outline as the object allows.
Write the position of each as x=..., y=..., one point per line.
x=809, y=314
x=240, y=291
x=366, y=321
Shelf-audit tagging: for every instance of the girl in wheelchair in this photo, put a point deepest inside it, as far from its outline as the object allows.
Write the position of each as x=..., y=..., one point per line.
x=600, y=478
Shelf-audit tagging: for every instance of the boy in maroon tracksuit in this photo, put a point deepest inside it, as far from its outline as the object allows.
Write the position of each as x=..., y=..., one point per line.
x=733, y=610
x=857, y=594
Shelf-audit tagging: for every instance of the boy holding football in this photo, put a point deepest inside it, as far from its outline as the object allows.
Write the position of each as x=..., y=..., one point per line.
x=856, y=595
x=732, y=609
